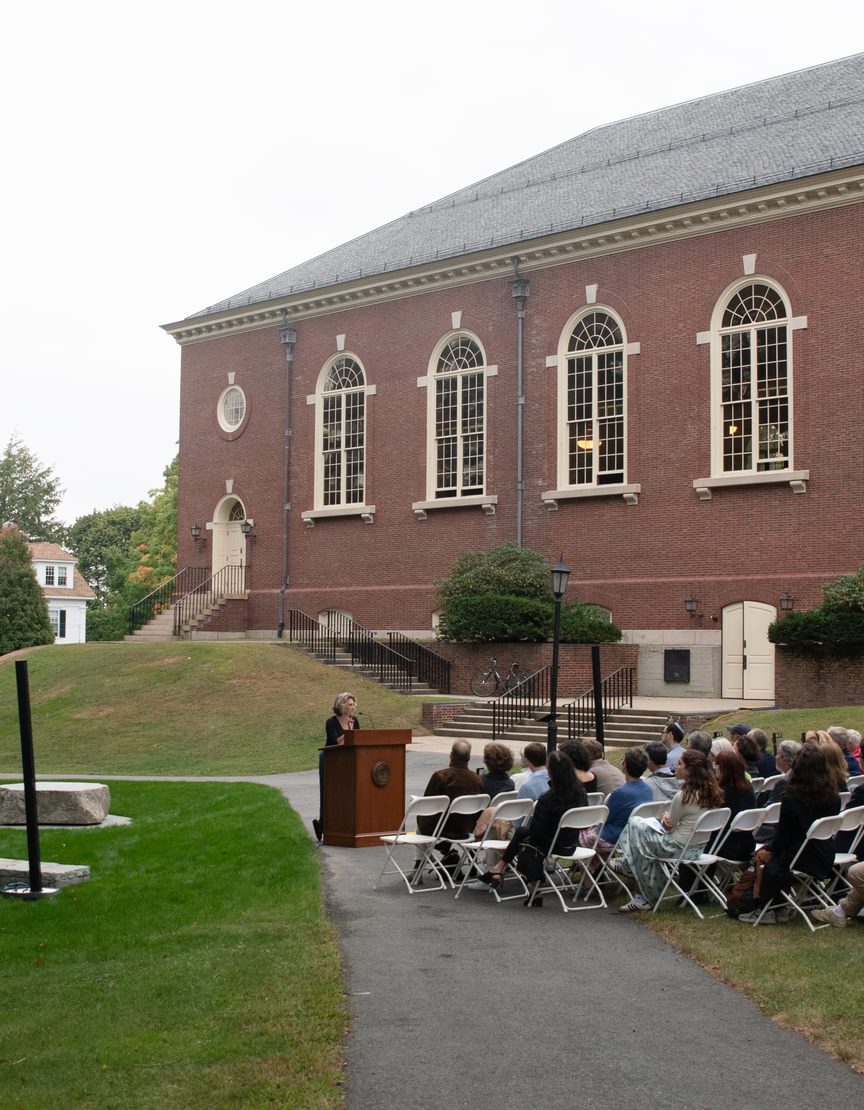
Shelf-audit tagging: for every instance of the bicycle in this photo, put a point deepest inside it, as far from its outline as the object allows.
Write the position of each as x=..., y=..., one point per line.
x=490, y=683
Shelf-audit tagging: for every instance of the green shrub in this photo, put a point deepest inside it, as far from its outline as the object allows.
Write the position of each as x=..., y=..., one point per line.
x=827, y=630
x=585, y=624
x=485, y=618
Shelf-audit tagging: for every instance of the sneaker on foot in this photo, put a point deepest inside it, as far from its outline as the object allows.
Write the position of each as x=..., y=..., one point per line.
x=768, y=918
x=829, y=917
x=620, y=866
x=635, y=904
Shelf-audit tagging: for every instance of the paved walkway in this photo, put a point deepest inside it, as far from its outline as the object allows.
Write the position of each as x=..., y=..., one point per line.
x=471, y=1005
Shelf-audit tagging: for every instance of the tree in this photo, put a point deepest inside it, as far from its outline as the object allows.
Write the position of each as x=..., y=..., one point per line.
x=29, y=494
x=23, y=612
x=834, y=628
x=156, y=539
x=505, y=595
x=101, y=544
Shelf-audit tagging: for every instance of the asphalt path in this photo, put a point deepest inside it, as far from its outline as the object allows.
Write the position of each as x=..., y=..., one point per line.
x=475, y=1005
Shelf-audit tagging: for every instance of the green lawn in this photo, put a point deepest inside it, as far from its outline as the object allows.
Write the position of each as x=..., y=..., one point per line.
x=195, y=968
x=182, y=708
x=790, y=723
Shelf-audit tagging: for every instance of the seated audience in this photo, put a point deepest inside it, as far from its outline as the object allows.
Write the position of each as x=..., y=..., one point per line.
x=721, y=744
x=531, y=843
x=607, y=777
x=537, y=783
x=641, y=839
x=748, y=749
x=811, y=793
x=664, y=785
x=819, y=738
x=455, y=780
x=765, y=764
x=577, y=750
x=840, y=736
x=841, y=914
x=699, y=741
x=737, y=795
x=621, y=802
x=672, y=736
x=498, y=760
x=855, y=746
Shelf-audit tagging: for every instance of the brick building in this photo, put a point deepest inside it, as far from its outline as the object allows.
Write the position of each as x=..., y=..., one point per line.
x=637, y=348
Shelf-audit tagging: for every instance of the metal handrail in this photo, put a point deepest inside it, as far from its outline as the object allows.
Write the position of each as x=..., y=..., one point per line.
x=616, y=690
x=163, y=596
x=230, y=581
x=385, y=663
x=520, y=702
x=429, y=667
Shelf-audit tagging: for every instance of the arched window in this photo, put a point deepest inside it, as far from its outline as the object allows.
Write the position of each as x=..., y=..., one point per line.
x=342, y=434
x=752, y=428
x=459, y=419
x=592, y=403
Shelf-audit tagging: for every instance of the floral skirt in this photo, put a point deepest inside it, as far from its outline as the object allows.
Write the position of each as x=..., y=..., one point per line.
x=641, y=839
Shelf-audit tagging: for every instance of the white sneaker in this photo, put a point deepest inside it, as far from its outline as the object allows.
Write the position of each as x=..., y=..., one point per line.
x=768, y=918
x=636, y=903
x=829, y=917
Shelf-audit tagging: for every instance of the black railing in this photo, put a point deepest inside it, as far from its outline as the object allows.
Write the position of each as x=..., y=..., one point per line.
x=429, y=667
x=230, y=581
x=342, y=633
x=520, y=702
x=311, y=633
x=163, y=596
x=616, y=690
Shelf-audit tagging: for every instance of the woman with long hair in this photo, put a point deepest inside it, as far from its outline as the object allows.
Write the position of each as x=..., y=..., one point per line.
x=643, y=839
x=833, y=753
x=531, y=843
x=737, y=795
x=810, y=793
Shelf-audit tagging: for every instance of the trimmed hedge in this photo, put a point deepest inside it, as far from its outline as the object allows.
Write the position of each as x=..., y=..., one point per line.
x=826, y=631
x=503, y=618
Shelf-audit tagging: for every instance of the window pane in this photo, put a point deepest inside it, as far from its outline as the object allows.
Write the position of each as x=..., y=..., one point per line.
x=595, y=402
x=460, y=419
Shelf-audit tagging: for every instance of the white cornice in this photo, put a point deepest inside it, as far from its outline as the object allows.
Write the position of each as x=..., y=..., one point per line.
x=774, y=202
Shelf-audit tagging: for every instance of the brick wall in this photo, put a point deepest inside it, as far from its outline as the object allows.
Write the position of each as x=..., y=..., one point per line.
x=813, y=683
x=639, y=560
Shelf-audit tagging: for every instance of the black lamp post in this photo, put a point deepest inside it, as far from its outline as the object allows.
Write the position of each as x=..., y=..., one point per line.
x=560, y=574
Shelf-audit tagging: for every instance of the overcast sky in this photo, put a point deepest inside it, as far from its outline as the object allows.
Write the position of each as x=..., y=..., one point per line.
x=162, y=156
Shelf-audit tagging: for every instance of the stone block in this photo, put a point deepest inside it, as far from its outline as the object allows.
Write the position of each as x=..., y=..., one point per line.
x=53, y=874
x=57, y=803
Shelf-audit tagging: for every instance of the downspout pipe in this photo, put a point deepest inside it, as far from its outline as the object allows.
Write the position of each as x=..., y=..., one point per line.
x=520, y=290
x=288, y=338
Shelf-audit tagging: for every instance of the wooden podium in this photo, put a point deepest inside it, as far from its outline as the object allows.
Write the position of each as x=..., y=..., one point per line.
x=364, y=786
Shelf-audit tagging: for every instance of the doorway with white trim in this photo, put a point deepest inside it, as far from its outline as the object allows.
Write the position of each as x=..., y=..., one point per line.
x=748, y=654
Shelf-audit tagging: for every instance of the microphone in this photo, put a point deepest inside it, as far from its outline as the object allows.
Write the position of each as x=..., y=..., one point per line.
x=366, y=715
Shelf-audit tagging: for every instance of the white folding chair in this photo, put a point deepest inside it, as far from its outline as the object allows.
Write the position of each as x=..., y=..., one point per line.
x=853, y=782
x=746, y=821
x=596, y=798
x=768, y=785
x=707, y=824
x=511, y=809
x=607, y=872
x=505, y=796
x=421, y=844
x=567, y=869
x=758, y=784
x=845, y=798
x=851, y=820
x=463, y=806
x=806, y=888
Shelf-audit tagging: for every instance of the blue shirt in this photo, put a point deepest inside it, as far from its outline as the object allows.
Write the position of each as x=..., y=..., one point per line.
x=673, y=757
x=621, y=802
x=535, y=786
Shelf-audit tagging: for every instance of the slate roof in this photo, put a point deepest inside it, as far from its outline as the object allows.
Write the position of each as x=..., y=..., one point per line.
x=782, y=129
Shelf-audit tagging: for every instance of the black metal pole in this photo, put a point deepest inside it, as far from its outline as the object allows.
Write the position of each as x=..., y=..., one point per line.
x=597, y=683
x=29, y=767
x=552, y=725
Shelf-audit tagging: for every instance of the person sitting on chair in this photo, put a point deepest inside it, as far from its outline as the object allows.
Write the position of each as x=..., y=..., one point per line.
x=607, y=776
x=531, y=843
x=621, y=802
x=664, y=785
x=496, y=778
x=673, y=734
x=534, y=758
x=455, y=780
x=841, y=914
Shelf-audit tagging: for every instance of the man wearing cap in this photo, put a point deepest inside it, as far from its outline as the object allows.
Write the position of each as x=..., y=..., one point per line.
x=672, y=736
x=737, y=730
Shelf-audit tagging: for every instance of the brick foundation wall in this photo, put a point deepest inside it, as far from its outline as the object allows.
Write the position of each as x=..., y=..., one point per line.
x=574, y=670
x=813, y=683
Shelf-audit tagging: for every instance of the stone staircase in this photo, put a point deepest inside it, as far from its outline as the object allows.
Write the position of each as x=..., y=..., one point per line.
x=625, y=727
x=161, y=627
x=343, y=662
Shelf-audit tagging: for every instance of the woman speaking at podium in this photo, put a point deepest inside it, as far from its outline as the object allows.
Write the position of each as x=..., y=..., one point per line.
x=344, y=720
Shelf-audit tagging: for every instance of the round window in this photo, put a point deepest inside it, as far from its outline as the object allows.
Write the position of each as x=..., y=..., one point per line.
x=231, y=409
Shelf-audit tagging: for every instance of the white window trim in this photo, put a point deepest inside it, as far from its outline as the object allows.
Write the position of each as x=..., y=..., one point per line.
x=486, y=502
x=720, y=477
x=558, y=362
x=428, y=383
x=229, y=429
x=365, y=512
x=316, y=401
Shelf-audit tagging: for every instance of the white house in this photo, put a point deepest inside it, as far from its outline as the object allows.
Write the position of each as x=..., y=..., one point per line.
x=66, y=592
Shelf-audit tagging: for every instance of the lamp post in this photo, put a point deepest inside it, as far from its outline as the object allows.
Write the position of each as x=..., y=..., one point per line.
x=560, y=574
